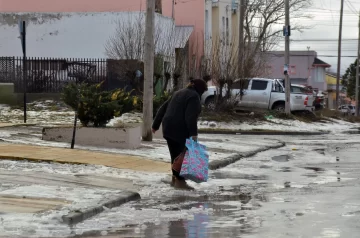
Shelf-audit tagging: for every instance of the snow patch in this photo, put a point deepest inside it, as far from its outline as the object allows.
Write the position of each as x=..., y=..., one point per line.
x=283, y=125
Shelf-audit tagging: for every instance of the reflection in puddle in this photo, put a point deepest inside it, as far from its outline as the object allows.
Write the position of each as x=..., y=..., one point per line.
x=316, y=169
x=285, y=169
x=331, y=233
x=287, y=185
x=350, y=214
x=234, y=175
x=320, y=151
x=282, y=158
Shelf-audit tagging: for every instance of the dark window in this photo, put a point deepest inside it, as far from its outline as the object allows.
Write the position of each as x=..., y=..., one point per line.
x=244, y=83
x=259, y=85
x=297, y=90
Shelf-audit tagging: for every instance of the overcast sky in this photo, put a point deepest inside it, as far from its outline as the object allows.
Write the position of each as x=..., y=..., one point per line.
x=325, y=22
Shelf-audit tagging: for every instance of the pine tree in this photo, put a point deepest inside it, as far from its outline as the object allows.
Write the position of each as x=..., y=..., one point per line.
x=349, y=80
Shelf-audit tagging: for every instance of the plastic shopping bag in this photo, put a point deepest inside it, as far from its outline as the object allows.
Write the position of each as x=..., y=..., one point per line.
x=195, y=165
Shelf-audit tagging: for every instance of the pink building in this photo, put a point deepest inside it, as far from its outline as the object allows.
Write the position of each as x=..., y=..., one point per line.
x=185, y=13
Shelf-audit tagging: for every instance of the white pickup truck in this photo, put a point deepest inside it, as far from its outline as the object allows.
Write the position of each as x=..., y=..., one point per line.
x=264, y=94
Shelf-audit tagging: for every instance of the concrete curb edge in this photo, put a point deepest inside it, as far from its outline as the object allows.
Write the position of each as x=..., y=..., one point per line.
x=19, y=125
x=214, y=165
x=9, y=157
x=76, y=217
x=273, y=133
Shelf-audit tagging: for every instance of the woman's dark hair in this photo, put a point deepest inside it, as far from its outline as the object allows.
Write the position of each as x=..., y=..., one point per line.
x=199, y=85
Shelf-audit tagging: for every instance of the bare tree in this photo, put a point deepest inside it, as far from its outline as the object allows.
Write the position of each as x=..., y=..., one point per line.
x=264, y=20
x=127, y=43
x=263, y=30
x=128, y=39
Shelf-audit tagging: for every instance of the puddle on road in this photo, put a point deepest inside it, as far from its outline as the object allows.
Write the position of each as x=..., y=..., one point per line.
x=227, y=216
x=285, y=169
x=320, y=151
x=234, y=175
x=316, y=169
x=352, y=132
x=282, y=158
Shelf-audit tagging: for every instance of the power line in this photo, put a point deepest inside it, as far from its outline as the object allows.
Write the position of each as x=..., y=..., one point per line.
x=323, y=40
x=352, y=8
x=302, y=55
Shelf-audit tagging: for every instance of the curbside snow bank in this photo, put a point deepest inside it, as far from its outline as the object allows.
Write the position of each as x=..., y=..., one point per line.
x=79, y=216
x=218, y=164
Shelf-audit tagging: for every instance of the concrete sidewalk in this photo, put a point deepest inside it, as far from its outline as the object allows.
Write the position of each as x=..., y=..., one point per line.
x=63, y=155
x=2, y=125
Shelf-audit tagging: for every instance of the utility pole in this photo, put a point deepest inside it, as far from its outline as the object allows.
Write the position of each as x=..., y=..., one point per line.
x=22, y=29
x=241, y=39
x=173, y=10
x=339, y=56
x=357, y=75
x=148, y=71
x=287, y=57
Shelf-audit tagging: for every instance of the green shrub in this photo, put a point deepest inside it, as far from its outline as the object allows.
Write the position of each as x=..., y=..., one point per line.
x=95, y=106
x=158, y=101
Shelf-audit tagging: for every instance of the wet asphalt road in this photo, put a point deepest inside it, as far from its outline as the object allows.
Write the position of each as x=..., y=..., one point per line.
x=310, y=188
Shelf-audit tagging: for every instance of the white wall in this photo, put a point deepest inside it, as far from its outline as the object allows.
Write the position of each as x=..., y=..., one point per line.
x=73, y=35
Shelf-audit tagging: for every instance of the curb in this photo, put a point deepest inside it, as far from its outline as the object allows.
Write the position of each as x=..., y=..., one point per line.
x=214, y=165
x=76, y=217
x=19, y=125
x=15, y=158
x=274, y=133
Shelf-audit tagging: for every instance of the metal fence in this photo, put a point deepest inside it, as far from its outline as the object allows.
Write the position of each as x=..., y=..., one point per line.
x=49, y=75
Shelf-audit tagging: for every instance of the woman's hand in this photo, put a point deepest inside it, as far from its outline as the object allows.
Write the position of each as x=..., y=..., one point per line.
x=195, y=138
x=153, y=131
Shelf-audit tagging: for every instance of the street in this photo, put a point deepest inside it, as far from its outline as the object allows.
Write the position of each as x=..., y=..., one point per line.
x=309, y=188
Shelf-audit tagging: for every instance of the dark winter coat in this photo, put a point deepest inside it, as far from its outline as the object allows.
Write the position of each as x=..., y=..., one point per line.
x=179, y=115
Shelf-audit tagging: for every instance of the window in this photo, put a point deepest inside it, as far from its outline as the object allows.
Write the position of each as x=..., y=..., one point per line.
x=297, y=90
x=259, y=85
x=227, y=31
x=277, y=87
x=292, y=70
x=304, y=90
x=207, y=33
x=244, y=83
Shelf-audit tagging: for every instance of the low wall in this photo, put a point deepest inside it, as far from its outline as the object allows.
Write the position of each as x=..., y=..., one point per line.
x=158, y=134
x=120, y=138
x=8, y=96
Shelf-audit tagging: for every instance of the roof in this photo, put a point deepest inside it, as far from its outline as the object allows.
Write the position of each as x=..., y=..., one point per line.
x=182, y=34
x=77, y=35
x=293, y=53
x=319, y=62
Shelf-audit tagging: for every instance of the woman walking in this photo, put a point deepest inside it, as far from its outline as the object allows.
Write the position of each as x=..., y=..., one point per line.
x=179, y=117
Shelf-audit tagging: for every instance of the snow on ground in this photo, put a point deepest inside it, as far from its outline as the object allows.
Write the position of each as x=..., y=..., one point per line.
x=54, y=113
x=49, y=223
x=283, y=125
x=38, y=112
x=219, y=146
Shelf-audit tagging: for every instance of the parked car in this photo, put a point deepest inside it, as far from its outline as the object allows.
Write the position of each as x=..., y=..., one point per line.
x=347, y=109
x=264, y=94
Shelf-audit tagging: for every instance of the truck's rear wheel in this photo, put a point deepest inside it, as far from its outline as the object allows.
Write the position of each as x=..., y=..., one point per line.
x=279, y=107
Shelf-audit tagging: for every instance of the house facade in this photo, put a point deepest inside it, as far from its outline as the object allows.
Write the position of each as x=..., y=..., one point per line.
x=305, y=68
